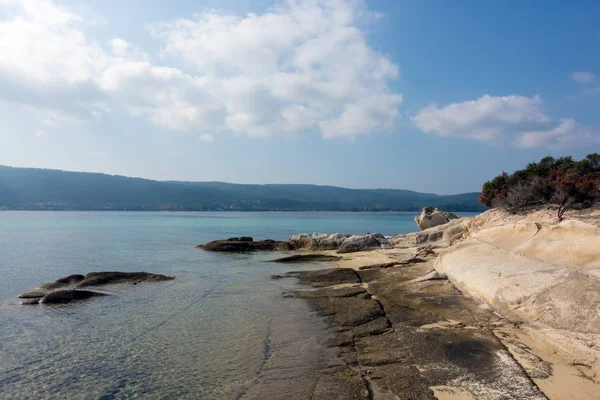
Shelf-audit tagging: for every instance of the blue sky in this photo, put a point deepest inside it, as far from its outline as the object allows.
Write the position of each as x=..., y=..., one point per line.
x=433, y=96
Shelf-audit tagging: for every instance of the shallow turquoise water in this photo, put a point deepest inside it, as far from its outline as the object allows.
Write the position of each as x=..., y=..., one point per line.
x=210, y=333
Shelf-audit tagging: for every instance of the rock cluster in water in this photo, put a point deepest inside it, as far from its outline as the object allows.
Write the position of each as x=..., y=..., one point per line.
x=70, y=288
x=244, y=244
x=343, y=243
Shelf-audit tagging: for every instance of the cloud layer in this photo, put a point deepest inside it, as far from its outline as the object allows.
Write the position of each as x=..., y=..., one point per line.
x=583, y=77
x=302, y=67
x=514, y=120
x=305, y=66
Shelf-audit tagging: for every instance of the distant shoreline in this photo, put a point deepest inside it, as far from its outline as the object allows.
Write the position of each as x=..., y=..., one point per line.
x=237, y=211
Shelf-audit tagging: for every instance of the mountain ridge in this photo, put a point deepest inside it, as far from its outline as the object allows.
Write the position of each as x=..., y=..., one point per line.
x=52, y=189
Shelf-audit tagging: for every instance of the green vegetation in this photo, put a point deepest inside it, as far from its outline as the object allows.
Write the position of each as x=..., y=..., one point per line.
x=42, y=189
x=561, y=182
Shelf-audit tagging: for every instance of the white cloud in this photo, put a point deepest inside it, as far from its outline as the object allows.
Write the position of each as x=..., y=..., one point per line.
x=43, y=43
x=49, y=122
x=47, y=61
x=120, y=47
x=207, y=138
x=484, y=119
x=583, y=77
x=516, y=120
x=305, y=66
x=567, y=134
x=40, y=133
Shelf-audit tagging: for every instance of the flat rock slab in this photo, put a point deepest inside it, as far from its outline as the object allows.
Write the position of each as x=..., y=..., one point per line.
x=347, y=311
x=341, y=292
x=307, y=258
x=380, y=265
x=326, y=277
x=344, y=385
x=374, y=327
x=389, y=380
x=413, y=335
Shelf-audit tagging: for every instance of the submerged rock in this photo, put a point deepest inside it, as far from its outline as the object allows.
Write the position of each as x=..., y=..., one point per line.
x=69, y=286
x=244, y=244
x=67, y=296
x=32, y=295
x=431, y=217
x=106, y=278
x=306, y=258
x=63, y=282
x=31, y=301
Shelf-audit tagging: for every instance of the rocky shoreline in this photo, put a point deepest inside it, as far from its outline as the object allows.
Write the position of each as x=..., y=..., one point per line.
x=410, y=321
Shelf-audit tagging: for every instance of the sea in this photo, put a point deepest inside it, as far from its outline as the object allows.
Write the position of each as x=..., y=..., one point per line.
x=222, y=329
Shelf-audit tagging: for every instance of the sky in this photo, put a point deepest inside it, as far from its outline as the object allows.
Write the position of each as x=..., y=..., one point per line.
x=428, y=95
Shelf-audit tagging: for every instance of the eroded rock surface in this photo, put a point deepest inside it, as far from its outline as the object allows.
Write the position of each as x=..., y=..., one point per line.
x=431, y=217
x=369, y=241
x=343, y=243
x=532, y=272
x=317, y=241
x=440, y=236
x=412, y=334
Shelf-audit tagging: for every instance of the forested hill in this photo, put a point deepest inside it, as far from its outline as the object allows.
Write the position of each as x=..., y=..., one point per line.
x=44, y=189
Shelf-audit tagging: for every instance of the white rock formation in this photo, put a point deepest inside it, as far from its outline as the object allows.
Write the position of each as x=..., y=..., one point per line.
x=431, y=217
x=547, y=274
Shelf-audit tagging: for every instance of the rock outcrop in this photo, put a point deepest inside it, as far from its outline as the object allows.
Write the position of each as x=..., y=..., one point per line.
x=369, y=241
x=532, y=272
x=431, y=217
x=440, y=236
x=317, y=241
x=341, y=242
x=244, y=244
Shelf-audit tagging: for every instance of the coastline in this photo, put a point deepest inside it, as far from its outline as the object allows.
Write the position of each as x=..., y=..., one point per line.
x=409, y=332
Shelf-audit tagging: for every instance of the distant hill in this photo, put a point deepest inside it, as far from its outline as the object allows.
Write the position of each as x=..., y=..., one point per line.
x=45, y=189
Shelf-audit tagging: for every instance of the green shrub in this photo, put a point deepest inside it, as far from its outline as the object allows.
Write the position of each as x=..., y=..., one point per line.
x=562, y=182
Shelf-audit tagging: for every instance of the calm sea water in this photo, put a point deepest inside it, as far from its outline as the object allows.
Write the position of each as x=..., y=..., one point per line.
x=221, y=329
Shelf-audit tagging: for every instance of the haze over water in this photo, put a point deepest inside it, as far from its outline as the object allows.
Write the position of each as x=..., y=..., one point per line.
x=221, y=327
